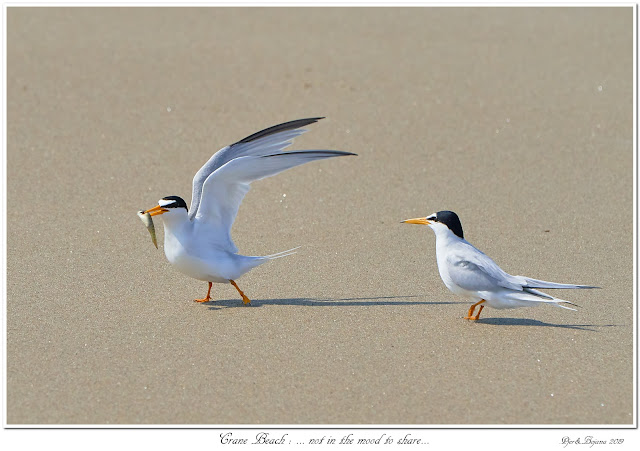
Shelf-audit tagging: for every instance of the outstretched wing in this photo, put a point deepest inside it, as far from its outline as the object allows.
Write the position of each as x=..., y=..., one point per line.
x=268, y=141
x=223, y=191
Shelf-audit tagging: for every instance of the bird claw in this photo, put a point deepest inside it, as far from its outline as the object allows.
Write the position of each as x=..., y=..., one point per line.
x=245, y=299
x=471, y=310
x=207, y=298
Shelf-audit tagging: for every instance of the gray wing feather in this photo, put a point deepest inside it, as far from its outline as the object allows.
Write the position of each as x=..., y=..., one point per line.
x=224, y=189
x=265, y=142
x=473, y=270
x=535, y=283
x=471, y=277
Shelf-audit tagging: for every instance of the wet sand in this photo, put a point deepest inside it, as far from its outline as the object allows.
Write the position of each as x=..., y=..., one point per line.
x=518, y=119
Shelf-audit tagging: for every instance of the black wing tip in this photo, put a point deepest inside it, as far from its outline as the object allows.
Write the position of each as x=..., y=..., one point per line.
x=342, y=153
x=280, y=128
x=537, y=287
x=331, y=153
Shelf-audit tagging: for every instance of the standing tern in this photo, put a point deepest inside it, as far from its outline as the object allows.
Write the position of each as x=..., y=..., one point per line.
x=197, y=241
x=468, y=272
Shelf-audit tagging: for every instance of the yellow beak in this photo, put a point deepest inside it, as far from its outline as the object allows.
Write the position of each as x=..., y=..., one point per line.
x=417, y=221
x=157, y=210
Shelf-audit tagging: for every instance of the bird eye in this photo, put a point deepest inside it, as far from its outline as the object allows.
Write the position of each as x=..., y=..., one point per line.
x=432, y=218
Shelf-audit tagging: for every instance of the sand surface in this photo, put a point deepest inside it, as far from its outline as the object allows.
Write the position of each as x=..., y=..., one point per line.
x=518, y=119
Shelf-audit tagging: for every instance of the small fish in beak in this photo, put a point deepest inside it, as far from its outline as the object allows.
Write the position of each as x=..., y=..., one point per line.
x=145, y=217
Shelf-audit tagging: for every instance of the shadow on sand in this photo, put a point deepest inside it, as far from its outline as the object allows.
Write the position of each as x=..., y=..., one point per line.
x=394, y=300
x=325, y=302
x=535, y=322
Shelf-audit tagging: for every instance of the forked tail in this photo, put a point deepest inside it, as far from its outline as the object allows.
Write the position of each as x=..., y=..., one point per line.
x=539, y=296
x=282, y=254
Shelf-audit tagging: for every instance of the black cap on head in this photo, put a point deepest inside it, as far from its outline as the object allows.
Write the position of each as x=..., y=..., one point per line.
x=451, y=220
x=178, y=202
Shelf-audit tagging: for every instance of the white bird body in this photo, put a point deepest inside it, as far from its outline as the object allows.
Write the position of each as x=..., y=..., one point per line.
x=209, y=262
x=468, y=272
x=198, y=242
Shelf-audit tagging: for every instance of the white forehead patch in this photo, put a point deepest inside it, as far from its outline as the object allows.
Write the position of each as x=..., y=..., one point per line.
x=164, y=202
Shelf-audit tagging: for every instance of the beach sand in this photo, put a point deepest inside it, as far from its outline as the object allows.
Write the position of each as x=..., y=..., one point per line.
x=518, y=119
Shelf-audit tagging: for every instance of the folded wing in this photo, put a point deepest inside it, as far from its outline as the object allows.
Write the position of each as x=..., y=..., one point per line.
x=535, y=283
x=473, y=270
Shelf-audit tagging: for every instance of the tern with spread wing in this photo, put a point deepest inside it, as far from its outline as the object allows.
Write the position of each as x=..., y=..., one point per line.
x=197, y=241
x=468, y=272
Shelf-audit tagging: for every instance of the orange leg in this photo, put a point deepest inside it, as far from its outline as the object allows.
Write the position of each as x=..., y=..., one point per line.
x=208, y=298
x=245, y=299
x=473, y=307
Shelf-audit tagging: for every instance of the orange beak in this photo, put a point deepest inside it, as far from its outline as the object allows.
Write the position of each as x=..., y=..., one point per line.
x=422, y=221
x=157, y=210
